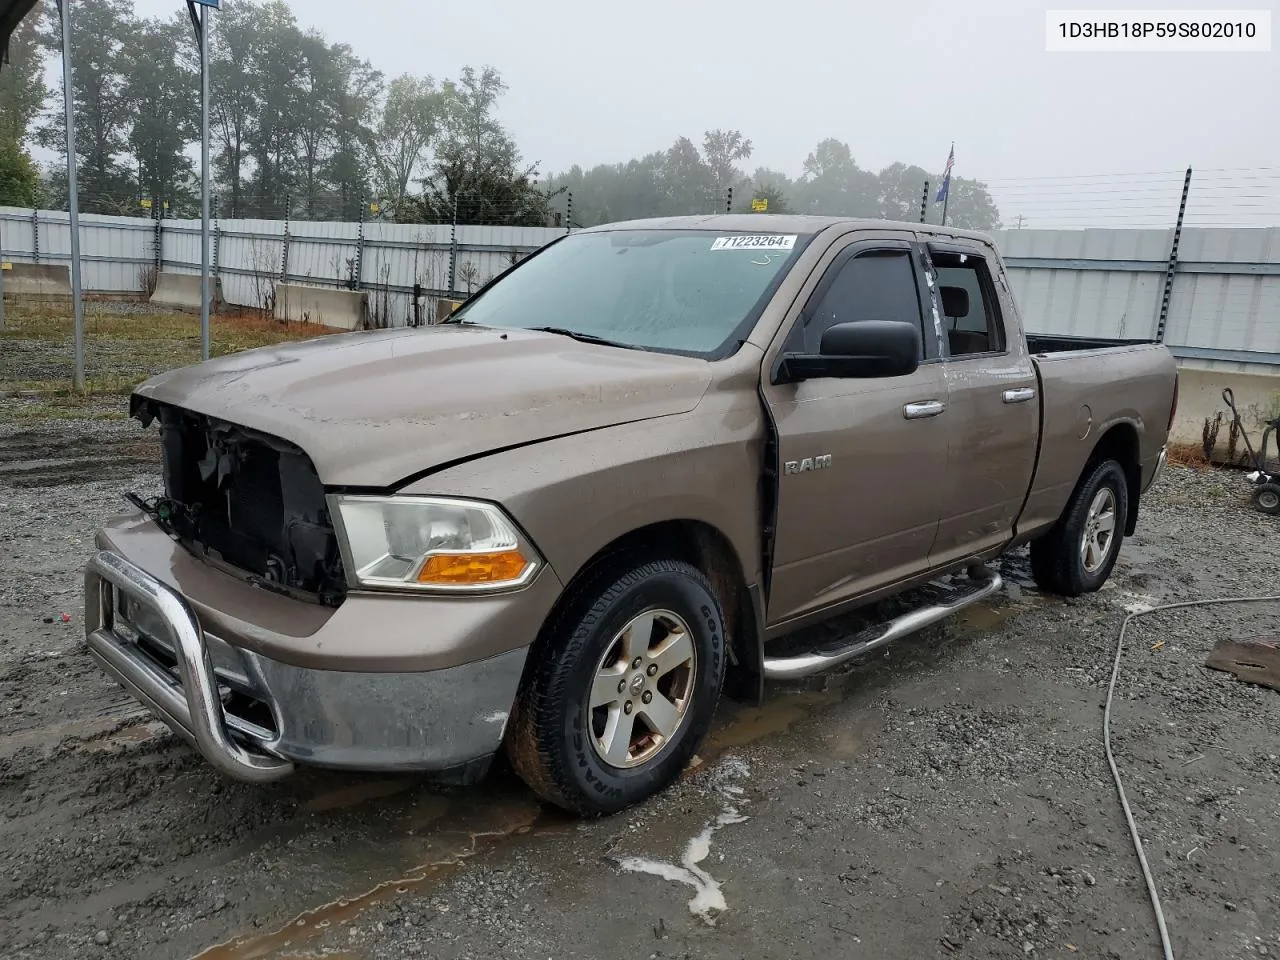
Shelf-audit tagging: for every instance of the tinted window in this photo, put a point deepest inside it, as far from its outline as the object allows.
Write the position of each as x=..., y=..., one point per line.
x=678, y=290
x=873, y=286
x=972, y=320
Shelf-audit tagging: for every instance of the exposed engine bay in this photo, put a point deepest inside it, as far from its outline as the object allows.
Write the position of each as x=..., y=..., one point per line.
x=246, y=502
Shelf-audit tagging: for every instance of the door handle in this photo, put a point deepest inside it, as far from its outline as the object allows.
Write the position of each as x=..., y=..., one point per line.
x=1019, y=395
x=923, y=408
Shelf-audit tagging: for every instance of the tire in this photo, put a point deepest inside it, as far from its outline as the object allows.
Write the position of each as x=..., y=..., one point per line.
x=1266, y=497
x=1059, y=561
x=572, y=753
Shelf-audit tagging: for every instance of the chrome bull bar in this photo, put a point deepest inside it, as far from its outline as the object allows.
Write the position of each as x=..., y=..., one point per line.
x=192, y=707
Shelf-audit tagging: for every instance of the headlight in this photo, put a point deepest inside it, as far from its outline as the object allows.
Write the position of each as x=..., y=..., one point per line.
x=430, y=544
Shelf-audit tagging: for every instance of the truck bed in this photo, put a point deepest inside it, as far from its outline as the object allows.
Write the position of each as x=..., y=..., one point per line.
x=1044, y=343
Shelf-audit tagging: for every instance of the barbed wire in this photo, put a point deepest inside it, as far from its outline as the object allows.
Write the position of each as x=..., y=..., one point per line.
x=1218, y=197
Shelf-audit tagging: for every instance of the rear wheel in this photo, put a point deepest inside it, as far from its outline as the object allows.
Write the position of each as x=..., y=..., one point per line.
x=623, y=688
x=1266, y=497
x=1079, y=553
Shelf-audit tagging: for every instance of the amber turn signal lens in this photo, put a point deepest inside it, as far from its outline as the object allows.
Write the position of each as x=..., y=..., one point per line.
x=464, y=568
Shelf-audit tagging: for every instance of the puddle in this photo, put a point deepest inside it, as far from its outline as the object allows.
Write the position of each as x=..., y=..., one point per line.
x=781, y=710
x=708, y=900
x=981, y=618
x=129, y=737
x=89, y=729
x=357, y=793
x=456, y=830
x=475, y=831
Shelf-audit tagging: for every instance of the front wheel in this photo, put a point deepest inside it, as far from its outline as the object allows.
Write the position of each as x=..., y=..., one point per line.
x=622, y=690
x=1078, y=554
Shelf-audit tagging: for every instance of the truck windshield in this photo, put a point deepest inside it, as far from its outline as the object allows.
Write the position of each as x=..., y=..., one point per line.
x=682, y=291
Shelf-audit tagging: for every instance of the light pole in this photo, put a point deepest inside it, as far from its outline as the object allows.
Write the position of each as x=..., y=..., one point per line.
x=199, y=10
x=73, y=193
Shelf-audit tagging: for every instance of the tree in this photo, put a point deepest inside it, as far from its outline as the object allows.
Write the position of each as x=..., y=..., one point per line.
x=277, y=73
x=22, y=93
x=688, y=184
x=161, y=92
x=834, y=185
x=347, y=167
x=103, y=110
x=721, y=150
x=235, y=96
x=772, y=187
x=477, y=170
x=409, y=120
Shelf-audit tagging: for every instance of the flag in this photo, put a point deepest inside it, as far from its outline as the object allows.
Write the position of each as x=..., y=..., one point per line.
x=946, y=177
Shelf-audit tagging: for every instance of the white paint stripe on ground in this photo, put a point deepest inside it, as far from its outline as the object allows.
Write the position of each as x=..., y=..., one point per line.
x=708, y=899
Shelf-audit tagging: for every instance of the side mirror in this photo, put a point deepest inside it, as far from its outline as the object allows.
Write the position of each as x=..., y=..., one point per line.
x=868, y=348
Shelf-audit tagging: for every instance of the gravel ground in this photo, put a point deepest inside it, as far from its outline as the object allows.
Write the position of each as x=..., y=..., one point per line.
x=946, y=798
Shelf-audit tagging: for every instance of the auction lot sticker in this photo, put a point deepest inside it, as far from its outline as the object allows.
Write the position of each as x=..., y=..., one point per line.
x=761, y=241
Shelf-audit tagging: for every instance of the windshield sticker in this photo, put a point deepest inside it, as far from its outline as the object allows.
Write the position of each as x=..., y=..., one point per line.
x=763, y=241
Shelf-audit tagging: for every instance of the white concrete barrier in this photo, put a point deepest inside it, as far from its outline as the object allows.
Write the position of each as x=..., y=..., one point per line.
x=37, y=280
x=1200, y=386
x=182, y=291
x=328, y=306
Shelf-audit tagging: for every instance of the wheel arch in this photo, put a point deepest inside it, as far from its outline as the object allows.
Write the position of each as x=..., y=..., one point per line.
x=1120, y=442
x=709, y=549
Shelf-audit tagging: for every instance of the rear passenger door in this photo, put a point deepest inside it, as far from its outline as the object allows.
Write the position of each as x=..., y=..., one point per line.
x=858, y=459
x=994, y=405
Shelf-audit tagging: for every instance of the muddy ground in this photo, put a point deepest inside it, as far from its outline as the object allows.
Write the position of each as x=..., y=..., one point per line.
x=949, y=798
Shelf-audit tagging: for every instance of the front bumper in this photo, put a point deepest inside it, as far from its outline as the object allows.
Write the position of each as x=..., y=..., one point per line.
x=252, y=717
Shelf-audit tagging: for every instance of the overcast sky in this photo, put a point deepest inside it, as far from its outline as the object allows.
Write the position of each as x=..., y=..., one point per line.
x=594, y=82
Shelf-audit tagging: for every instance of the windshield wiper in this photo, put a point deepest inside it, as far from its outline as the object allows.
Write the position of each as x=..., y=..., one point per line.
x=583, y=337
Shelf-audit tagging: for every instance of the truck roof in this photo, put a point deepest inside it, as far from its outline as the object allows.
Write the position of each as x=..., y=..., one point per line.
x=778, y=223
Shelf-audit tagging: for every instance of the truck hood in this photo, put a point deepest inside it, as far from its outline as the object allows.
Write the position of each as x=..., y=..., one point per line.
x=372, y=409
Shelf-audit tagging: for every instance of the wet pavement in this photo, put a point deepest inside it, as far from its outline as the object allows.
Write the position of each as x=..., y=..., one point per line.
x=946, y=797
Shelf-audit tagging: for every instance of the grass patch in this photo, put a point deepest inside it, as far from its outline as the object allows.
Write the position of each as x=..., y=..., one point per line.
x=229, y=333
x=122, y=350
x=65, y=409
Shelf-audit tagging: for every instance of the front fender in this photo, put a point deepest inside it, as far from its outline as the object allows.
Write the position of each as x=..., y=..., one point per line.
x=575, y=495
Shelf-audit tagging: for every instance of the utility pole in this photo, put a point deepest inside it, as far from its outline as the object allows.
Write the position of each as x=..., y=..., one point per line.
x=199, y=10
x=1018, y=225
x=73, y=190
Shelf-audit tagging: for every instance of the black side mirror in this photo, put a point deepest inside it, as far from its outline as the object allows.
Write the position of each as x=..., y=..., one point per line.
x=867, y=348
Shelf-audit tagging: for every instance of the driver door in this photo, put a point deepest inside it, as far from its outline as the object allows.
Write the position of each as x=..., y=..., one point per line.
x=860, y=460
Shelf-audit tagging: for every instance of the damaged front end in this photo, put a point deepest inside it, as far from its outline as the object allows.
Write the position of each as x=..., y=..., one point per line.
x=246, y=502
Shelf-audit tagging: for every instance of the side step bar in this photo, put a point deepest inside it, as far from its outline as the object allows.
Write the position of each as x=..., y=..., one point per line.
x=879, y=634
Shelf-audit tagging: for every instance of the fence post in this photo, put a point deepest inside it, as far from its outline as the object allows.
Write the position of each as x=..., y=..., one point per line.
x=35, y=234
x=453, y=248
x=568, y=216
x=924, y=200
x=284, y=247
x=217, y=249
x=157, y=239
x=1172, y=267
x=358, y=279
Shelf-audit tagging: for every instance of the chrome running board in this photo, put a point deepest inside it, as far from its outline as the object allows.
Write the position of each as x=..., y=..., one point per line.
x=878, y=634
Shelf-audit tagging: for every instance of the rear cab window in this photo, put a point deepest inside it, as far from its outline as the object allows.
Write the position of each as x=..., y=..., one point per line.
x=972, y=323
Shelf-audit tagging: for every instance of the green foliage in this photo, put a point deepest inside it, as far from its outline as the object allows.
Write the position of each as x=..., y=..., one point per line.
x=19, y=180
x=411, y=117
x=22, y=89
x=477, y=171
x=22, y=92
x=305, y=127
x=682, y=181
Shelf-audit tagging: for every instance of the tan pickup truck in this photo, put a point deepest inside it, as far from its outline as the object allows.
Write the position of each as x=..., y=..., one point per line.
x=565, y=519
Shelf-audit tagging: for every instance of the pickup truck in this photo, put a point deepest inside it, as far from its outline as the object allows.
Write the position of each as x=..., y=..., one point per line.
x=563, y=520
